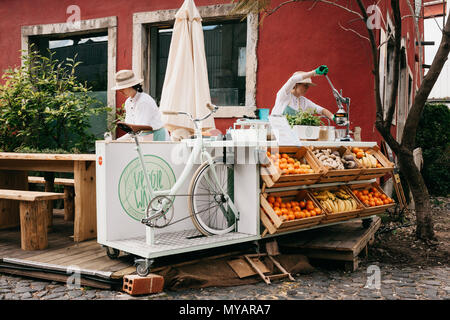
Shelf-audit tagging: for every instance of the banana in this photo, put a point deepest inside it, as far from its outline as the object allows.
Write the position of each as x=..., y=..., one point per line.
x=326, y=205
x=366, y=162
x=341, y=205
x=354, y=206
x=374, y=161
x=332, y=205
x=349, y=204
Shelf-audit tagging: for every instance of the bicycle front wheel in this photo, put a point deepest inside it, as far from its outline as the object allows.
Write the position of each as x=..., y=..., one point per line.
x=208, y=207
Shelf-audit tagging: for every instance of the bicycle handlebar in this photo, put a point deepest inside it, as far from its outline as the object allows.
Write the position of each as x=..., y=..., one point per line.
x=213, y=108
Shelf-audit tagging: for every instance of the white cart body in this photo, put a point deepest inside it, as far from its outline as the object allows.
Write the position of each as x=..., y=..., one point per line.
x=120, y=194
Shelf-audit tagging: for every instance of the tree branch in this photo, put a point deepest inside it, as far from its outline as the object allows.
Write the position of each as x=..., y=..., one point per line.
x=354, y=31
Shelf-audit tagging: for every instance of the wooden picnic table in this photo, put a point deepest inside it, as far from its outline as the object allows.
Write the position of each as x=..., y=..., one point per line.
x=14, y=169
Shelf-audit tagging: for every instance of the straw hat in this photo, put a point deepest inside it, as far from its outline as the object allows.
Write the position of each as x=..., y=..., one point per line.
x=125, y=79
x=305, y=81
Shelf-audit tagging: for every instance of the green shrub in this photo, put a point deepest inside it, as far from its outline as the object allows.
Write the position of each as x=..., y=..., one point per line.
x=433, y=137
x=44, y=107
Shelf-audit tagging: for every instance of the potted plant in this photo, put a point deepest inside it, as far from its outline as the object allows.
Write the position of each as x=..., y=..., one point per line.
x=305, y=124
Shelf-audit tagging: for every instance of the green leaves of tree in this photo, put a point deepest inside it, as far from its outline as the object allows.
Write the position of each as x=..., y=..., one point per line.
x=44, y=107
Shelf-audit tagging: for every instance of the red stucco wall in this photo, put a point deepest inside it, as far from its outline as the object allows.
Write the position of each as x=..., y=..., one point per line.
x=294, y=38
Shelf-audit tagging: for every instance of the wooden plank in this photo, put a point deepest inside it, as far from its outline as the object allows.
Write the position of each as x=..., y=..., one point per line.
x=85, y=224
x=69, y=203
x=23, y=195
x=58, y=181
x=99, y=263
x=123, y=272
x=33, y=225
x=47, y=156
x=63, y=252
x=55, y=277
x=79, y=257
x=37, y=165
x=9, y=209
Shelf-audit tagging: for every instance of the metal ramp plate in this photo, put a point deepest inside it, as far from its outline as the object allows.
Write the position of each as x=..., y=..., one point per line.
x=177, y=242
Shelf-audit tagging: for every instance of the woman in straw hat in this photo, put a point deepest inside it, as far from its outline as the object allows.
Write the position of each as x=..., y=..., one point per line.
x=291, y=97
x=140, y=108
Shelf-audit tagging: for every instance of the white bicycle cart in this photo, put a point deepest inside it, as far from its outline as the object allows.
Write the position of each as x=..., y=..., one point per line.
x=122, y=198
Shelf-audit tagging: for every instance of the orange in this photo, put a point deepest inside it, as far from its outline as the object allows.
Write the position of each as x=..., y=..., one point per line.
x=360, y=154
x=288, y=205
x=310, y=206
x=302, y=204
x=365, y=192
x=297, y=208
x=383, y=197
x=271, y=199
x=268, y=153
x=284, y=155
x=278, y=200
x=291, y=217
x=312, y=213
x=290, y=160
x=283, y=205
x=302, y=214
x=297, y=215
x=285, y=217
x=318, y=210
x=278, y=212
x=308, y=214
x=372, y=203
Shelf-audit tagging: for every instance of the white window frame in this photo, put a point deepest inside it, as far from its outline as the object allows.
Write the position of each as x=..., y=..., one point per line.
x=142, y=49
x=108, y=24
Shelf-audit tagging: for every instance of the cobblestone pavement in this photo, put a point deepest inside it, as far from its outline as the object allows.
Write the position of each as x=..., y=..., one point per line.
x=396, y=283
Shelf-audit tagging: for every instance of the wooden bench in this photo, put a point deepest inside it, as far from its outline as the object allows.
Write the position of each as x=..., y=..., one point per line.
x=33, y=215
x=68, y=185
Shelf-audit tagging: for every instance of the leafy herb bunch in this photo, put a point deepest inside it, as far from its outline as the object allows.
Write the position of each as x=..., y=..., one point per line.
x=304, y=118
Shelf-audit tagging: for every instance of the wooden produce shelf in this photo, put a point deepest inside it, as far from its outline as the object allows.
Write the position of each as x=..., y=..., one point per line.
x=330, y=217
x=272, y=174
x=369, y=210
x=276, y=224
x=334, y=175
x=373, y=173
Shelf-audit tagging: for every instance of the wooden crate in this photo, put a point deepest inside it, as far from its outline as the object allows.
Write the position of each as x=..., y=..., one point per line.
x=373, y=173
x=274, y=178
x=368, y=210
x=275, y=224
x=332, y=175
x=330, y=217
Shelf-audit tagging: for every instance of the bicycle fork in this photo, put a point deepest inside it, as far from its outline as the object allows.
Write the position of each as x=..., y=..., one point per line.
x=215, y=182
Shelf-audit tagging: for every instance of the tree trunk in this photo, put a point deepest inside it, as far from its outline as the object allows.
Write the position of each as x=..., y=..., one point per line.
x=424, y=222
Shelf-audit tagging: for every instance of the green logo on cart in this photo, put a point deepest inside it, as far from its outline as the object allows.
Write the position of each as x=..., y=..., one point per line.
x=133, y=191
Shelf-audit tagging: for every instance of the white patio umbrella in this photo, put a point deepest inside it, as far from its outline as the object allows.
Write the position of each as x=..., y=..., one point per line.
x=186, y=86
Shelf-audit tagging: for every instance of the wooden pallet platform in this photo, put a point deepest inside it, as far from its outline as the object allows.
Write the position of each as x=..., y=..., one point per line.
x=62, y=255
x=342, y=242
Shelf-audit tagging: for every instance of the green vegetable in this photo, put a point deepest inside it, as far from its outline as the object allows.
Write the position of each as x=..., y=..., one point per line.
x=304, y=118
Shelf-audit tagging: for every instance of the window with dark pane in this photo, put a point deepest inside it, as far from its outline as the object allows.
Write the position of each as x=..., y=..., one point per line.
x=92, y=51
x=225, y=49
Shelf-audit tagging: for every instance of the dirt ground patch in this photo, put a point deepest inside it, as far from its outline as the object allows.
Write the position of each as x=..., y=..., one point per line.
x=396, y=243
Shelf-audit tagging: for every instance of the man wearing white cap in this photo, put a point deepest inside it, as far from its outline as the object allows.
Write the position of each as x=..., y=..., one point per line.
x=140, y=108
x=290, y=98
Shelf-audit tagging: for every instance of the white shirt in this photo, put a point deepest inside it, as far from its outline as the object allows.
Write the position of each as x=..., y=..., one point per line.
x=142, y=110
x=286, y=98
